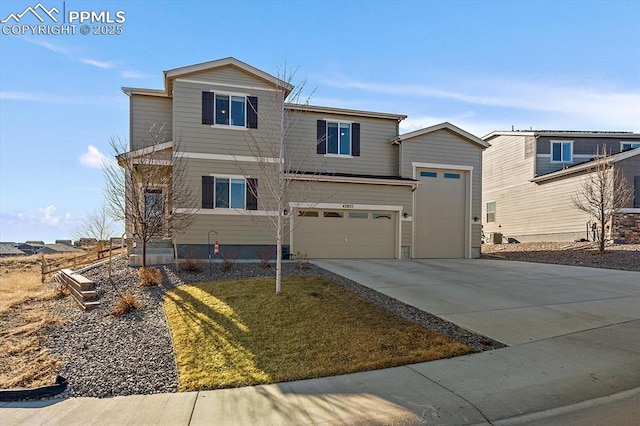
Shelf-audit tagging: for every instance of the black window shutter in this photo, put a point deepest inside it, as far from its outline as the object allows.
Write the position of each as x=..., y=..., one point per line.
x=207, y=191
x=355, y=139
x=252, y=194
x=252, y=112
x=322, y=137
x=208, y=103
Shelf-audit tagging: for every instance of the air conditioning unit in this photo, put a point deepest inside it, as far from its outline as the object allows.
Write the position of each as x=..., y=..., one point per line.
x=496, y=238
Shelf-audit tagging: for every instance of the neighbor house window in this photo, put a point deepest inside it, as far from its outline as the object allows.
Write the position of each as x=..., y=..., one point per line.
x=224, y=109
x=338, y=138
x=491, y=212
x=562, y=152
x=229, y=193
x=625, y=146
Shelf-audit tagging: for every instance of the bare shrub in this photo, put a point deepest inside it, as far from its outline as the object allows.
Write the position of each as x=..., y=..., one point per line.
x=149, y=277
x=126, y=302
x=302, y=260
x=228, y=259
x=265, y=254
x=191, y=263
x=60, y=291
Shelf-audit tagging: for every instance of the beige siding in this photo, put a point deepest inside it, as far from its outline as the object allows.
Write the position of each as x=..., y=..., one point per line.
x=352, y=193
x=529, y=211
x=377, y=156
x=238, y=229
x=150, y=120
x=193, y=136
x=540, y=212
x=229, y=75
x=197, y=168
x=445, y=147
x=506, y=172
x=526, y=210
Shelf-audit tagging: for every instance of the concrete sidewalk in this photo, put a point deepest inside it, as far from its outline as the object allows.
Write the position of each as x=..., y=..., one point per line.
x=579, y=366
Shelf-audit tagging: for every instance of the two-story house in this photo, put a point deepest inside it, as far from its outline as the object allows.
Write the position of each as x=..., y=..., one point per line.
x=359, y=188
x=529, y=178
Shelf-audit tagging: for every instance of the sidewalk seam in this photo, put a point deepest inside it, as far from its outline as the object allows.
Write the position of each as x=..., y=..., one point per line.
x=193, y=409
x=449, y=390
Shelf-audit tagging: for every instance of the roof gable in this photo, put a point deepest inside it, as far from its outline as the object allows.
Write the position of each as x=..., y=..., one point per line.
x=172, y=74
x=443, y=126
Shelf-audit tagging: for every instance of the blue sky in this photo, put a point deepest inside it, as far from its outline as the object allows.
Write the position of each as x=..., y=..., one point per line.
x=482, y=65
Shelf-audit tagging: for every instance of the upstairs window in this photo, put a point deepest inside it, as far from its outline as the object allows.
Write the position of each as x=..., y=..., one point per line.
x=223, y=109
x=229, y=193
x=626, y=146
x=561, y=152
x=338, y=138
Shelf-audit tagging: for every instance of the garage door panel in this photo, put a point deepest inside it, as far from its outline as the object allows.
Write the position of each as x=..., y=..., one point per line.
x=440, y=212
x=346, y=237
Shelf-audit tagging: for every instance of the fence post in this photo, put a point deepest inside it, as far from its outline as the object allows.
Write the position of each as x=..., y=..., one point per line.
x=42, y=267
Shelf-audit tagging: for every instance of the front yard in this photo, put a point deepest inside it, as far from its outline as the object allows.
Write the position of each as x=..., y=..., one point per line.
x=239, y=333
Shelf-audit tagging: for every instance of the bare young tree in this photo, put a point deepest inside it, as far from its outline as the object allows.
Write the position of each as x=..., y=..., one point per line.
x=602, y=193
x=278, y=161
x=98, y=224
x=145, y=187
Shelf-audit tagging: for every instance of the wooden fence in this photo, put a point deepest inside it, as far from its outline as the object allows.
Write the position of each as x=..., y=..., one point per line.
x=51, y=267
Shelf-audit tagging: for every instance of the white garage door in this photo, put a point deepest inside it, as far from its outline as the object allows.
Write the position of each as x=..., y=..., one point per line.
x=345, y=234
x=440, y=214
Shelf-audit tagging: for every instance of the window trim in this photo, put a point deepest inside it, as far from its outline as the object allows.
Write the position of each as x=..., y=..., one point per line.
x=487, y=212
x=229, y=95
x=629, y=143
x=229, y=178
x=339, y=123
x=561, y=142
x=321, y=138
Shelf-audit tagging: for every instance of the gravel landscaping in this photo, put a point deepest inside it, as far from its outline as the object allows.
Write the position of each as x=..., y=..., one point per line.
x=133, y=354
x=616, y=256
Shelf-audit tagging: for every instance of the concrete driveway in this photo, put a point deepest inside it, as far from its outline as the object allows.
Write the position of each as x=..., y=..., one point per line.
x=512, y=302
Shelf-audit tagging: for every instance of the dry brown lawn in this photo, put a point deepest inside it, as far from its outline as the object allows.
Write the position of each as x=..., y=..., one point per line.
x=24, y=315
x=239, y=333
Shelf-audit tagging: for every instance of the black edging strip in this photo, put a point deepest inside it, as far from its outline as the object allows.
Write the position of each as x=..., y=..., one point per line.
x=41, y=392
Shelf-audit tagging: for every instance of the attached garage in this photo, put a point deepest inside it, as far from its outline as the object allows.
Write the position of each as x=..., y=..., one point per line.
x=346, y=233
x=441, y=211
x=446, y=162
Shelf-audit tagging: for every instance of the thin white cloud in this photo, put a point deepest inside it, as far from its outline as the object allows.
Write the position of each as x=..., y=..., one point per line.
x=99, y=64
x=93, y=158
x=48, y=216
x=56, y=48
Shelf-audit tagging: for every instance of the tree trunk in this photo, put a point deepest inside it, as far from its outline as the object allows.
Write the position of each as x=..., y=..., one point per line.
x=279, y=255
x=603, y=222
x=144, y=254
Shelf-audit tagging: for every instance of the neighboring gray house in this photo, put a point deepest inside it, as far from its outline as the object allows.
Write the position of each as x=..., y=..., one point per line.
x=374, y=193
x=10, y=249
x=529, y=178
